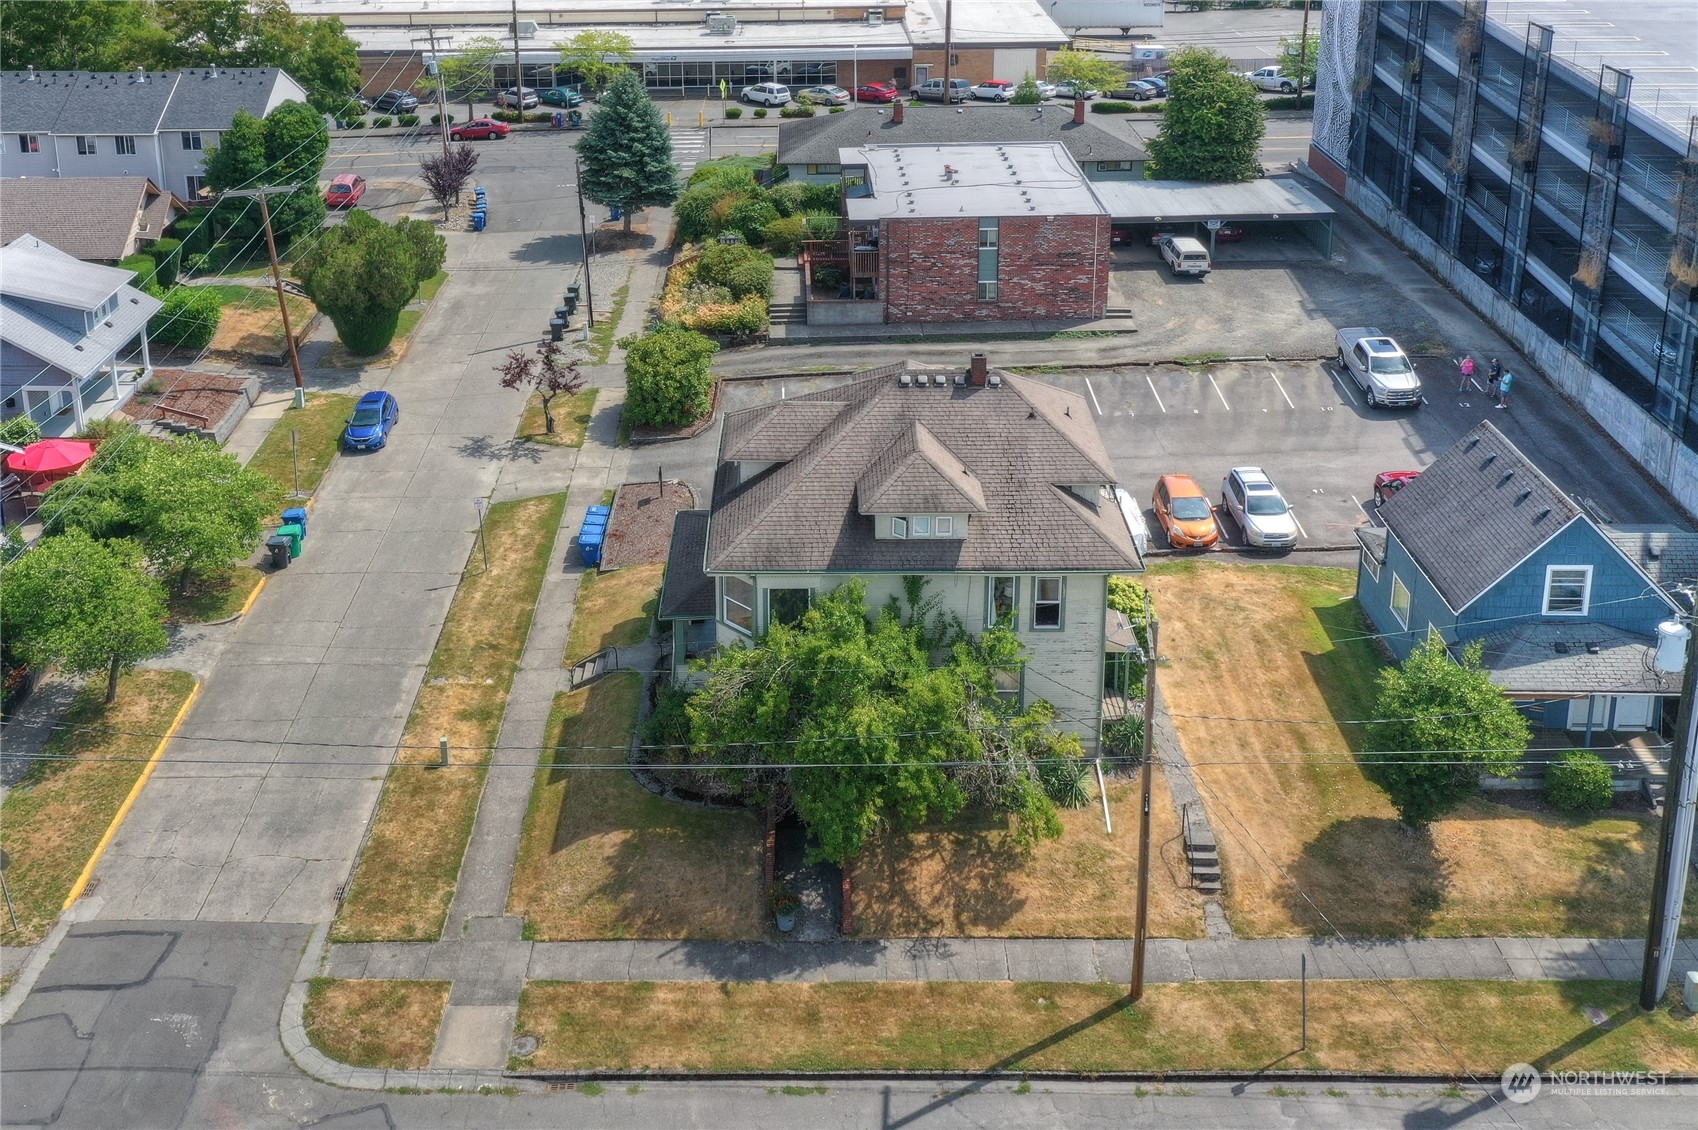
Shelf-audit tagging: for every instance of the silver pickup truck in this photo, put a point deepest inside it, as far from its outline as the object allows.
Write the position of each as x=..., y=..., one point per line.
x=1379, y=367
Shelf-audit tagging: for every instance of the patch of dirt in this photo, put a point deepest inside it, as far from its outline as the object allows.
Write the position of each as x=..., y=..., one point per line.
x=254, y=331
x=187, y=398
x=639, y=531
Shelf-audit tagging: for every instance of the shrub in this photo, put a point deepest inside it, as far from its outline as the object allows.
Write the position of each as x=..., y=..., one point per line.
x=829, y=278
x=1063, y=779
x=1580, y=782
x=511, y=116
x=142, y=265
x=408, y=119
x=20, y=431
x=740, y=269
x=796, y=196
x=1289, y=102
x=837, y=109
x=194, y=231
x=795, y=112
x=784, y=235
x=436, y=119
x=540, y=116
x=357, y=123
x=761, y=112
x=1124, y=737
x=750, y=215
x=732, y=113
x=188, y=318
x=737, y=319
x=167, y=253
x=383, y=123
x=1112, y=107
x=667, y=381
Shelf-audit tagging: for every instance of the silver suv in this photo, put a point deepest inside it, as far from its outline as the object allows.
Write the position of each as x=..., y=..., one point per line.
x=1259, y=509
x=960, y=90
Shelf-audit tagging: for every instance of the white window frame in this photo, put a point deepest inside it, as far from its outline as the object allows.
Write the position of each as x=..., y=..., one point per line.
x=1016, y=693
x=87, y=146
x=1060, y=603
x=1370, y=563
x=1397, y=586
x=899, y=528
x=1013, y=599
x=922, y=525
x=725, y=603
x=943, y=526
x=124, y=145
x=191, y=140
x=29, y=143
x=1585, y=590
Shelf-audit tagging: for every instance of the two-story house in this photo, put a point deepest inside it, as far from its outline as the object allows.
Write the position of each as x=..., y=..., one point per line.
x=98, y=219
x=1483, y=546
x=73, y=337
x=995, y=488
x=155, y=124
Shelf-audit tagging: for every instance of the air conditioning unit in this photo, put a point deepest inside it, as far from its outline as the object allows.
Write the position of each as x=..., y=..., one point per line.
x=718, y=23
x=875, y=17
x=527, y=29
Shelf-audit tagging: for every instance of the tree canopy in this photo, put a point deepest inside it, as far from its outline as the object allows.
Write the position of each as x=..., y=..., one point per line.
x=83, y=604
x=1443, y=722
x=598, y=55
x=1212, y=127
x=445, y=175
x=363, y=272
x=1087, y=67
x=287, y=146
x=470, y=68
x=547, y=375
x=626, y=154
x=879, y=733
x=667, y=381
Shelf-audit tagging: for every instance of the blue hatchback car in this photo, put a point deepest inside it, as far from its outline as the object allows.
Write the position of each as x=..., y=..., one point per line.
x=368, y=427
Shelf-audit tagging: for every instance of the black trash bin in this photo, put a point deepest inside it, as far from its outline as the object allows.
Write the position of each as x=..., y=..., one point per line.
x=279, y=548
x=557, y=329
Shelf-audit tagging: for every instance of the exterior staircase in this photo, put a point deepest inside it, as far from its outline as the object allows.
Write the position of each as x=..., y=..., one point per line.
x=1201, y=854
x=788, y=313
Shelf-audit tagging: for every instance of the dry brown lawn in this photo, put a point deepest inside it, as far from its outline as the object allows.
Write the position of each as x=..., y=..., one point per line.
x=966, y=879
x=1354, y=1026
x=614, y=609
x=571, y=419
x=53, y=819
x=375, y=1023
x=1291, y=809
x=602, y=857
x=251, y=326
x=406, y=873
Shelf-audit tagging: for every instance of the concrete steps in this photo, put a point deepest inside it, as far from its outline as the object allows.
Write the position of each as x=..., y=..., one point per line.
x=1201, y=854
x=788, y=314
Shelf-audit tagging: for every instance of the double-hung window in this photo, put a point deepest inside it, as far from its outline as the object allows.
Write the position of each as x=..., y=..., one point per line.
x=1002, y=601
x=739, y=604
x=1568, y=590
x=29, y=143
x=124, y=145
x=1400, y=600
x=989, y=241
x=1047, y=594
x=86, y=147
x=191, y=139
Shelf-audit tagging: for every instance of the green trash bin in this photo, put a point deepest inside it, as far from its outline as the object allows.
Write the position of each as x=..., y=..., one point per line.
x=293, y=533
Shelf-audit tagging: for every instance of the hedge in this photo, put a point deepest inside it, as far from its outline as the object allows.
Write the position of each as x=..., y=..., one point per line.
x=761, y=113
x=794, y=112
x=733, y=112
x=194, y=231
x=382, y=123
x=1112, y=108
x=436, y=119
x=738, y=268
x=189, y=317
x=144, y=267
x=168, y=254
x=408, y=119
x=1580, y=782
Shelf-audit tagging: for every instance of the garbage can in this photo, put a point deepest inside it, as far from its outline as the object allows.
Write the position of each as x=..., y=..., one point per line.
x=557, y=329
x=571, y=306
x=293, y=533
x=296, y=516
x=589, y=547
x=603, y=511
x=559, y=119
x=617, y=213
x=279, y=548
x=477, y=222
x=572, y=292
x=576, y=117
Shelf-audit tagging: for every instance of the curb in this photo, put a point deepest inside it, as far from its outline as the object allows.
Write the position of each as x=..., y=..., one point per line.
x=1484, y=1082
x=1048, y=366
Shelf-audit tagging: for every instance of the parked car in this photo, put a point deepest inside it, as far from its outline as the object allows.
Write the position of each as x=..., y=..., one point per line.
x=1140, y=91
x=1379, y=367
x=1182, y=508
x=766, y=94
x=1045, y=89
x=395, y=102
x=345, y=191
x=562, y=96
x=932, y=90
x=994, y=90
x=1074, y=90
x=1230, y=233
x=523, y=98
x=1388, y=483
x=479, y=129
x=368, y=428
x=1157, y=81
x=877, y=92
x=1121, y=234
x=1270, y=79
x=824, y=96
x=1185, y=256
x=1259, y=509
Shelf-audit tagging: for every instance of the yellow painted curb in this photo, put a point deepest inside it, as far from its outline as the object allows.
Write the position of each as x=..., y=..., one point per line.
x=252, y=596
x=129, y=801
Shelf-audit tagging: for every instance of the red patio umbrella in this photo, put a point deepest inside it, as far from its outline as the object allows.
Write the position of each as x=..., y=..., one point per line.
x=50, y=460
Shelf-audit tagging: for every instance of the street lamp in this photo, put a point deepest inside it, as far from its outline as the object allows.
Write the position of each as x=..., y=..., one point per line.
x=585, y=239
x=855, y=58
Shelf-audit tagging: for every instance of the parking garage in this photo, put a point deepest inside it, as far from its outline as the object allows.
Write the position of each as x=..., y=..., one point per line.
x=1267, y=206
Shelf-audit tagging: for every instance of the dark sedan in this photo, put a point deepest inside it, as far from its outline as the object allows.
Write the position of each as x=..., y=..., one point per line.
x=395, y=102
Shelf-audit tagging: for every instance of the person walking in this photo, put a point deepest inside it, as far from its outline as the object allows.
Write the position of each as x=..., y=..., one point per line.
x=1467, y=374
x=1503, y=389
x=1494, y=373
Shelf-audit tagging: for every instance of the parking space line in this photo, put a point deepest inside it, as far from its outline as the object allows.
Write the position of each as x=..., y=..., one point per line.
x=1219, y=393
x=1151, y=381
x=1341, y=384
x=1281, y=388
x=1299, y=525
x=1093, y=393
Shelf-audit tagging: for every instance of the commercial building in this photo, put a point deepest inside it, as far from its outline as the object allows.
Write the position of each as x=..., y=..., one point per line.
x=686, y=47
x=1540, y=157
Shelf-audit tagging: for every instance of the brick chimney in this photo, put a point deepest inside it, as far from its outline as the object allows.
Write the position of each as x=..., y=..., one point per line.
x=896, y=108
x=978, y=370
x=1078, y=111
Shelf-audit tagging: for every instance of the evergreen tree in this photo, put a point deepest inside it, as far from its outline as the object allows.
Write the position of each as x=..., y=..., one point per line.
x=1212, y=127
x=626, y=154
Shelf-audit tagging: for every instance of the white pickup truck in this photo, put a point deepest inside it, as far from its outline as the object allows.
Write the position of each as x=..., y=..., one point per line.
x=1379, y=367
x=1269, y=78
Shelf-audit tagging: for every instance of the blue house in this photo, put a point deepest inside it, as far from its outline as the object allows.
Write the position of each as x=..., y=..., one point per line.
x=1482, y=546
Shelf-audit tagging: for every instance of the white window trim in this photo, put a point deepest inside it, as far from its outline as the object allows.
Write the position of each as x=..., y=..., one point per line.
x=725, y=602
x=990, y=601
x=1370, y=563
x=1397, y=586
x=1060, y=603
x=899, y=528
x=1585, y=589
x=922, y=525
x=943, y=526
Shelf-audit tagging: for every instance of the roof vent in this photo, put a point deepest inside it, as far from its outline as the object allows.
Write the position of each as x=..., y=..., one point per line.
x=1507, y=475
x=1592, y=647
x=921, y=380
x=960, y=379
x=1560, y=647
x=1526, y=493
x=994, y=380
x=904, y=380
x=1544, y=512
x=1490, y=458
x=875, y=17
x=140, y=76
x=718, y=23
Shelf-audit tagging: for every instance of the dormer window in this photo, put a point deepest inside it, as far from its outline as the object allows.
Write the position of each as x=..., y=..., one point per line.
x=899, y=527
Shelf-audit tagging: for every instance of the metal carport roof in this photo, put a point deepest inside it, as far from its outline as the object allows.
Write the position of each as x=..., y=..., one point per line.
x=1178, y=201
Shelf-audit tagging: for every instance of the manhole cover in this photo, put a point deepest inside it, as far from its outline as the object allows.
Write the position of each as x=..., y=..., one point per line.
x=525, y=1046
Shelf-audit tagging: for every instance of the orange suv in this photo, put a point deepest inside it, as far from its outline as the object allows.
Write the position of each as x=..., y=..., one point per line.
x=1182, y=507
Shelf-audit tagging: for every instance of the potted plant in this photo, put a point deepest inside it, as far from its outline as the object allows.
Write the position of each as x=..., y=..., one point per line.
x=785, y=907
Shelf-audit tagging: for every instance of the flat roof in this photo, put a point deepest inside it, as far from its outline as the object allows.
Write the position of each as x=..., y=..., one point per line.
x=1179, y=201
x=982, y=179
x=984, y=22
x=667, y=43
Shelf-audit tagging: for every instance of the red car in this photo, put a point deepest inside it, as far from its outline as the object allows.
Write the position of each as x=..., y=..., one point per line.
x=345, y=191
x=1230, y=233
x=1388, y=483
x=877, y=92
x=479, y=129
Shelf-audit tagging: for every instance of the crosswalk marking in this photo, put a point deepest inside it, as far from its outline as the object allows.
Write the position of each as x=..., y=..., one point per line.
x=688, y=148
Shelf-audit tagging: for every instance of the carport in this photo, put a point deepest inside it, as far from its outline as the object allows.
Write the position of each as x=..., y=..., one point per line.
x=1174, y=203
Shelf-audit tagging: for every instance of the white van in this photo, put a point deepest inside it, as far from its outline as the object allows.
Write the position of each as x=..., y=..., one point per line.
x=1184, y=255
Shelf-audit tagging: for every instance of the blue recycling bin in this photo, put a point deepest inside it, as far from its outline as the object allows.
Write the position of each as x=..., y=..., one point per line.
x=601, y=511
x=477, y=222
x=559, y=119
x=575, y=118
x=297, y=516
x=589, y=547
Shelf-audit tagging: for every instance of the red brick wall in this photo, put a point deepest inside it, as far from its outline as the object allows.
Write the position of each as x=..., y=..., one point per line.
x=1048, y=267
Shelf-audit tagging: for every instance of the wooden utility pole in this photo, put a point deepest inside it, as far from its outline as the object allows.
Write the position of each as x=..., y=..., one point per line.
x=1142, y=927
x=948, y=46
x=277, y=279
x=441, y=92
x=518, y=67
x=584, y=233
x=1303, y=55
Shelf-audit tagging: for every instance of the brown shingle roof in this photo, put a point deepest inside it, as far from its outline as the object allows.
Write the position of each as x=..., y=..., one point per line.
x=90, y=218
x=1021, y=445
x=917, y=473
x=687, y=593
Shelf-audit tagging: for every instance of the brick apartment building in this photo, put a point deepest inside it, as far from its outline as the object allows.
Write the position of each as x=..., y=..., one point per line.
x=962, y=233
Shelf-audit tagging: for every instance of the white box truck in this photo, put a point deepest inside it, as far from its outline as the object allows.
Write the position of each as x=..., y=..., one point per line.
x=1082, y=15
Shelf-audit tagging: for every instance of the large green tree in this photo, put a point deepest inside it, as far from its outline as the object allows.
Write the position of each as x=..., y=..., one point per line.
x=362, y=273
x=83, y=604
x=847, y=719
x=197, y=507
x=1087, y=67
x=598, y=56
x=626, y=154
x=469, y=69
x=1442, y=723
x=287, y=146
x=667, y=379
x=1212, y=127
x=68, y=35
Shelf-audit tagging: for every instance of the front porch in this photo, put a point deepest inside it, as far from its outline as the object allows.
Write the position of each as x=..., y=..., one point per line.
x=63, y=405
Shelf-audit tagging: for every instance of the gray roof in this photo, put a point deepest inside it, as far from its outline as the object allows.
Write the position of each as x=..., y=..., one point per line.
x=1572, y=659
x=687, y=592
x=87, y=217
x=1481, y=509
x=816, y=140
x=86, y=102
x=209, y=98
x=1373, y=539
x=1014, y=179
x=32, y=271
x=1179, y=201
x=1666, y=554
x=1017, y=447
